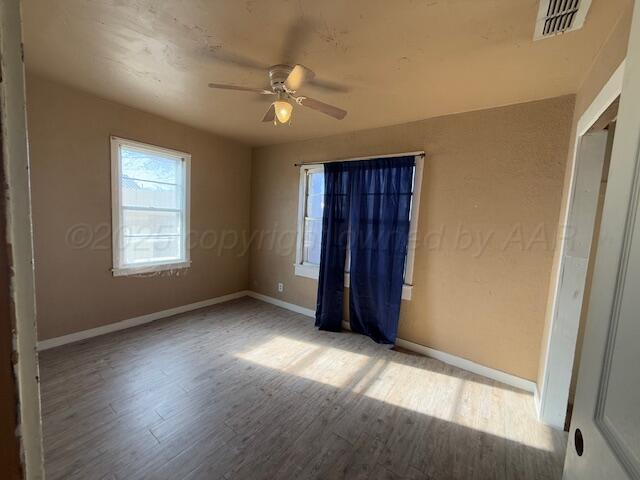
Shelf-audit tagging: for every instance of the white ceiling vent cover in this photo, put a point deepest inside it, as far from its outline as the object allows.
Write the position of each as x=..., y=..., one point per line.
x=560, y=16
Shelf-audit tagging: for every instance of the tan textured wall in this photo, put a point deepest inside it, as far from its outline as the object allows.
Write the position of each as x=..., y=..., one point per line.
x=69, y=140
x=494, y=173
x=609, y=58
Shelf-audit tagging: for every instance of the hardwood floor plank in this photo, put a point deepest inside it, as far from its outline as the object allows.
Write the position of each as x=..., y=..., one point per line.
x=246, y=390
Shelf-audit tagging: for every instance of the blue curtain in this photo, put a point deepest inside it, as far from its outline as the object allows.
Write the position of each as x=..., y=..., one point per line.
x=335, y=231
x=380, y=204
x=373, y=209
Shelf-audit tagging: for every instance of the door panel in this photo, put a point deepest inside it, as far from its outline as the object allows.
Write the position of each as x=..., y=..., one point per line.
x=607, y=410
x=618, y=404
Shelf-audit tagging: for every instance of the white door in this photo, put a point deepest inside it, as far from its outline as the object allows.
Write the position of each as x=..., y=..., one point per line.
x=604, y=440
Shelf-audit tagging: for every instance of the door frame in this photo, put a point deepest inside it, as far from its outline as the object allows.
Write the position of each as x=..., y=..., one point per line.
x=19, y=241
x=552, y=395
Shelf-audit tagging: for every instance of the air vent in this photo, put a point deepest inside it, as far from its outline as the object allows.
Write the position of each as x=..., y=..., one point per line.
x=560, y=16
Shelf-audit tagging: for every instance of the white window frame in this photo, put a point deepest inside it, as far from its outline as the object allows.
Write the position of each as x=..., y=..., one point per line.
x=309, y=270
x=303, y=268
x=116, y=209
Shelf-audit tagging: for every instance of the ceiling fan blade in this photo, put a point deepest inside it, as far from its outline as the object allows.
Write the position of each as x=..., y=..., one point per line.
x=296, y=39
x=298, y=75
x=329, y=86
x=221, y=54
x=225, y=86
x=325, y=108
x=270, y=115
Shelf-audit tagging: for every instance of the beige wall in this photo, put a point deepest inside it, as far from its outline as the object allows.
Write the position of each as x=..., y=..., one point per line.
x=607, y=61
x=488, y=172
x=69, y=140
x=496, y=173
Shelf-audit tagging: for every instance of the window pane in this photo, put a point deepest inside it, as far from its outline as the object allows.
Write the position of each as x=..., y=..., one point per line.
x=151, y=217
x=315, y=205
x=149, y=166
x=316, y=183
x=146, y=222
x=138, y=193
x=312, y=240
x=151, y=249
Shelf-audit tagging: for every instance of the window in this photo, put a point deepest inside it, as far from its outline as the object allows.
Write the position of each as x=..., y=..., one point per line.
x=150, y=198
x=313, y=208
x=310, y=209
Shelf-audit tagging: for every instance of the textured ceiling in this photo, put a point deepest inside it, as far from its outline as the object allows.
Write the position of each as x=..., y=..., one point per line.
x=400, y=60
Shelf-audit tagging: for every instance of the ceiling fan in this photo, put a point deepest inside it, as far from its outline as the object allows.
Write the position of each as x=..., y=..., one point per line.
x=285, y=83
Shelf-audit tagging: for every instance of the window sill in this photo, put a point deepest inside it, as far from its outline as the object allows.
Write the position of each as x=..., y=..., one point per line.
x=312, y=271
x=138, y=270
x=308, y=271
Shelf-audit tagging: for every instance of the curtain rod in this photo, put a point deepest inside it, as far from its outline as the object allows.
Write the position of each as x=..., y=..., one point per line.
x=405, y=154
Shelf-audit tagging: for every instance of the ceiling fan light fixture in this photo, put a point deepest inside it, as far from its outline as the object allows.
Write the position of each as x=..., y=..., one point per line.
x=285, y=82
x=283, y=110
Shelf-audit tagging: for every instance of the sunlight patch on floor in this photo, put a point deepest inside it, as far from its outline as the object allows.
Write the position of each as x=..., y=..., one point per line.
x=327, y=365
x=414, y=388
x=498, y=421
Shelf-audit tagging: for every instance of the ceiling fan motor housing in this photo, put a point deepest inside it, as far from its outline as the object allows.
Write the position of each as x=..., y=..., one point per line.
x=278, y=75
x=285, y=82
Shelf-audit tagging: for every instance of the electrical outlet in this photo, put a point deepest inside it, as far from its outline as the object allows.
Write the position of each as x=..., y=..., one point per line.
x=280, y=287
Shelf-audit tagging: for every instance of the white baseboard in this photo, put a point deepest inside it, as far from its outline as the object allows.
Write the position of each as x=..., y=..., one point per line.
x=132, y=322
x=280, y=303
x=459, y=362
x=464, y=364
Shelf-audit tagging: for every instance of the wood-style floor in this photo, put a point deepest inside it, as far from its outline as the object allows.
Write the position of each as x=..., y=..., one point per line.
x=246, y=390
